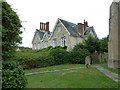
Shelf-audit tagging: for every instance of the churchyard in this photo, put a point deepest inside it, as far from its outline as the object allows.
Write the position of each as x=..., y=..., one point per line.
x=95, y=63
x=75, y=78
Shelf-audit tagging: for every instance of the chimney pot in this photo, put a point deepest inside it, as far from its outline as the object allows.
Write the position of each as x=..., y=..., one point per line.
x=85, y=24
x=41, y=25
x=44, y=26
x=47, y=26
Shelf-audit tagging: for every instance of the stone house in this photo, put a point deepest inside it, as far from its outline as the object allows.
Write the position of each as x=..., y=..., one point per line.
x=64, y=34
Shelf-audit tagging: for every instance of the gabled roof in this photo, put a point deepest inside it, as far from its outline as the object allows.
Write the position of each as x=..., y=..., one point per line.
x=71, y=27
x=46, y=34
x=40, y=33
x=88, y=29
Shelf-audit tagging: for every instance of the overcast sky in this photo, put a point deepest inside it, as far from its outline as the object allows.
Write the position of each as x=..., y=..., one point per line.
x=32, y=12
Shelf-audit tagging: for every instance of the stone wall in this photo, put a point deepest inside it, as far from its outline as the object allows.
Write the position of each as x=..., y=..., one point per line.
x=114, y=36
x=99, y=57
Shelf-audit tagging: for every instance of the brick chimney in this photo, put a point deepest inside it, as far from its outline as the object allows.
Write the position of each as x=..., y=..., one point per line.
x=40, y=26
x=81, y=28
x=47, y=26
x=44, y=26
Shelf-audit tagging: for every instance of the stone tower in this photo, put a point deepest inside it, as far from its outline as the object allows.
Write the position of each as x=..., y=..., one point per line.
x=114, y=35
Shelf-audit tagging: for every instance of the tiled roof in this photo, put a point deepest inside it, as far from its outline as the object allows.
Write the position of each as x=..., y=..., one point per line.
x=40, y=33
x=88, y=29
x=71, y=27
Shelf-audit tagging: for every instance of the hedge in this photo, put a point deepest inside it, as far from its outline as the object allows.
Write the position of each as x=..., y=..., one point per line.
x=50, y=56
x=13, y=75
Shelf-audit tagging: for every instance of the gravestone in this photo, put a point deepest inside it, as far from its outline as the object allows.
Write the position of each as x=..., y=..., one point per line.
x=87, y=61
x=114, y=35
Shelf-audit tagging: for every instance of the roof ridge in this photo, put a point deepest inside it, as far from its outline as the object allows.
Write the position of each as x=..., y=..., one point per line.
x=40, y=33
x=67, y=21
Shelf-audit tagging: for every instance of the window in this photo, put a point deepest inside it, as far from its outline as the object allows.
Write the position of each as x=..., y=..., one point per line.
x=34, y=46
x=54, y=42
x=38, y=45
x=63, y=41
x=59, y=29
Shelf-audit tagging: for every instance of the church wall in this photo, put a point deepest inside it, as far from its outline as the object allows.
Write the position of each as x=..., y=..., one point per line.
x=114, y=36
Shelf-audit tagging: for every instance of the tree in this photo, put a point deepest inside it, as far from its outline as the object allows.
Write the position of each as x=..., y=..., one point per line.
x=78, y=54
x=104, y=44
x=10, y=30
x=12, y=73
x=0, y=30
x=81, y=50
x=92, y=44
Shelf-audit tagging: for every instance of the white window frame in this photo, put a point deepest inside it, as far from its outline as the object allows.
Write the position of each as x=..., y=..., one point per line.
x=34, y=45
x=59, y=29
x=39, y=45
x=63, y=40
x=54, y=42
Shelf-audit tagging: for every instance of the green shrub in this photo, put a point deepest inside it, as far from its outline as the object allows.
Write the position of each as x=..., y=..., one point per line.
x=42, y=58
x=13, y=75
x=30, y=64
x=51, y=56
x=60, y=47
x=23, y=48
x=34, y=58
x=50, y=47
x=78, y=56
x=60, y=56
x=65, y=47
x=79, y=46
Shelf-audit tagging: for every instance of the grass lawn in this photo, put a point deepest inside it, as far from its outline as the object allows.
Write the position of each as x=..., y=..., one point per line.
x=103, y=62
x=77, y=78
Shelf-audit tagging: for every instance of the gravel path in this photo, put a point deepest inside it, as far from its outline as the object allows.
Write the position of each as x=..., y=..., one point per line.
x=108, y=73
x=53, y=70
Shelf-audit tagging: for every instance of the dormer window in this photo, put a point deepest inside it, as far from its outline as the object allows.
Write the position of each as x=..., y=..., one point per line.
x=59, y=29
